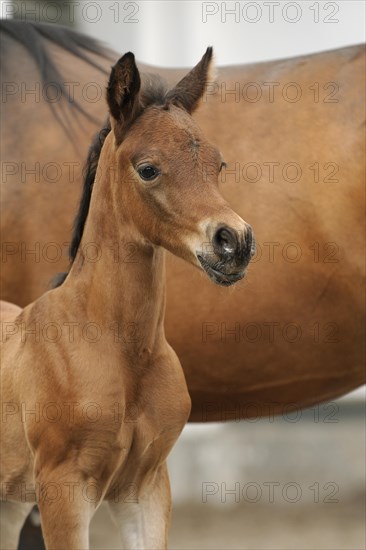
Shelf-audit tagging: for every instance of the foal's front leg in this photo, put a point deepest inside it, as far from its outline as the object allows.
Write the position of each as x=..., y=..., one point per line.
x=66, y=504
x=143, y=517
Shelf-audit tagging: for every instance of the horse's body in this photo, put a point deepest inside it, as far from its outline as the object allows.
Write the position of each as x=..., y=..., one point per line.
x=291, y=336
x=88, y=414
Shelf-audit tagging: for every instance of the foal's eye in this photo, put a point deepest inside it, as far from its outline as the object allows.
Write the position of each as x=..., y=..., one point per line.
x=148, y=172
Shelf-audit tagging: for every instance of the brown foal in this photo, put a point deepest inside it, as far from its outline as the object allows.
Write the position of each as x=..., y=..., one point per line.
x=94, y=397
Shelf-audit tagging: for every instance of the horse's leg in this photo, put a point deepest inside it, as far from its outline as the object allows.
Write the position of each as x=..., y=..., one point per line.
x=66, y=506
x=143, y=520
x=12, y=517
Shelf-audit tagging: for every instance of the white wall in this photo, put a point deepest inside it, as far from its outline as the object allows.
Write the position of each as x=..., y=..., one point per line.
x=176, y=32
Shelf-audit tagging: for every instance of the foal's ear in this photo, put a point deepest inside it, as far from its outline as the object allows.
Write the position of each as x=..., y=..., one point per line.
x=123, y=90
x=189, y=90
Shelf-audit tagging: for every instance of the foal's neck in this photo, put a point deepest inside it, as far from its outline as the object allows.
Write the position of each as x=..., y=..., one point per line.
x=118, y=277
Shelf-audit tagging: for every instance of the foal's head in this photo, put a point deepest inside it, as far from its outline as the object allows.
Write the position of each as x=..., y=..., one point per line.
x=168, y=172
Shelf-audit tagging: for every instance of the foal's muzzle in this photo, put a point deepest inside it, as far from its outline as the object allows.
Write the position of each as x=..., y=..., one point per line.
x=230, y=254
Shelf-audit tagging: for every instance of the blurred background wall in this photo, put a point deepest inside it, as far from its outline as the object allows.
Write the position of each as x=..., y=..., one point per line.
x=293, y=482
x=176, y=32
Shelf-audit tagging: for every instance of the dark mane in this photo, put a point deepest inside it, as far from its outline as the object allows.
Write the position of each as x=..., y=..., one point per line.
x=154, y=90
x=34, y=37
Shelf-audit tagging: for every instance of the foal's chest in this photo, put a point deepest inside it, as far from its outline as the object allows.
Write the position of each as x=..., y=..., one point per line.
x=153, y=419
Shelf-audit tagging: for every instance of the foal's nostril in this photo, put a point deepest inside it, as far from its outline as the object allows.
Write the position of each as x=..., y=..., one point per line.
x=225, y=240
x=249, y=240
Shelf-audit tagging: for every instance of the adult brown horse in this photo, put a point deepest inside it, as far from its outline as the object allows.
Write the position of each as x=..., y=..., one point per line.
x=292, y=134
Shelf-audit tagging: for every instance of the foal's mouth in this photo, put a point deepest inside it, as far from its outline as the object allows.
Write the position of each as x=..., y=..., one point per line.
x=218, y=276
